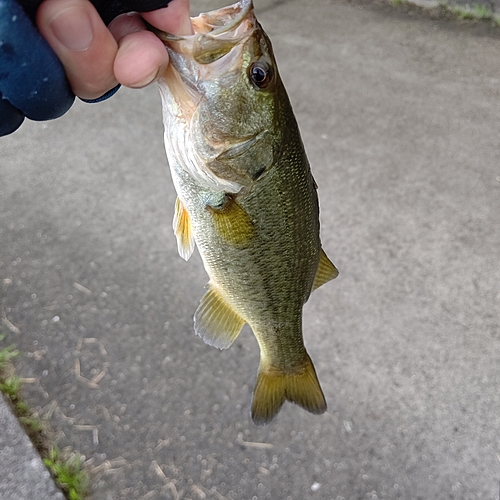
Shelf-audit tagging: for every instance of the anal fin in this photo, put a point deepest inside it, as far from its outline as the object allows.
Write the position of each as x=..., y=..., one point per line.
x=183, y=231
x=326, y=271
x=215, y=321
x=275, y=386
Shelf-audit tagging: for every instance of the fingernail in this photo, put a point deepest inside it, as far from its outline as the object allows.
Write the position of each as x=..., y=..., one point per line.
x=73, y=28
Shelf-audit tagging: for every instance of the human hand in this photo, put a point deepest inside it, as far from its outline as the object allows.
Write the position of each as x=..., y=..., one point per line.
x=95, y=58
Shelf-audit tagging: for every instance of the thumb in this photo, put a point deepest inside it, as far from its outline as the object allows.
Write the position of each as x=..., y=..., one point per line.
x=82, y=42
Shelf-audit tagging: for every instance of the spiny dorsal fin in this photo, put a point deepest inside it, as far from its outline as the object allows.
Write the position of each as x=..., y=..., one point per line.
x=275, y=386
x=183, y=231
x=326, y=271
x=215, y=321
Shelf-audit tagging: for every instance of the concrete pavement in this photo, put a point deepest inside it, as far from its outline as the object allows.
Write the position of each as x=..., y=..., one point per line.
x=400, y=116
x=24, y=477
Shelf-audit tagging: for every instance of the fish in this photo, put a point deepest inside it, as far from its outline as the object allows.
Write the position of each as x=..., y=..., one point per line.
x=246, y=198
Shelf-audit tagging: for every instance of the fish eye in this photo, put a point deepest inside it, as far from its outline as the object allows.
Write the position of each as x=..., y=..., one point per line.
x=260, y=74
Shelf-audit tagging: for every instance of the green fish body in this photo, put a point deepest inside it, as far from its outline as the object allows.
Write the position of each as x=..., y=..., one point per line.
x=246, y=199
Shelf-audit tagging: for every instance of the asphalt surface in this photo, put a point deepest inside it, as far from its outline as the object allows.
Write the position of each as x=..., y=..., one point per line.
x=400, y=116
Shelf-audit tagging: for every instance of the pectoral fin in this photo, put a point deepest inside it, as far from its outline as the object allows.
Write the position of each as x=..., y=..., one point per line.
x=215, y=321
x=232, y=223
x=326, y=271
x=183, y=231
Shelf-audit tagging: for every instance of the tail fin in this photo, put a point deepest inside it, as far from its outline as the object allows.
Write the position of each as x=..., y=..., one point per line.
x=275, y=386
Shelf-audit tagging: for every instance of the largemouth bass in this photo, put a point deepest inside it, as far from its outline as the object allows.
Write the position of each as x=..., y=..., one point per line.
x=246, y=198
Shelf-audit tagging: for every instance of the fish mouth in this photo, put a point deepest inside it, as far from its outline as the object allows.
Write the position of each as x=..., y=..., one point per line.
x=223, y=20
x=215, y=33
x=214, y=24
x=197, y=58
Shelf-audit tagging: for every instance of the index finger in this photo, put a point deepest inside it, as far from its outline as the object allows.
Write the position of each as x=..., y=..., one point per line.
x=174, y=18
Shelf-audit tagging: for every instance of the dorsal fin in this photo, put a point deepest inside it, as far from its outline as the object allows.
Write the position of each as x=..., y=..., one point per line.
x=183, y=231
x=326, y=271
x=215, y=321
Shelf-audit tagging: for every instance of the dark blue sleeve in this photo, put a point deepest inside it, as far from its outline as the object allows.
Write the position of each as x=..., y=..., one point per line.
x=32, y=79
x=33, y=83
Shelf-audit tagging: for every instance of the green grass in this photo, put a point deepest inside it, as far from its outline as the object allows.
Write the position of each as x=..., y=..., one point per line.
x=7, y=354
x=66, y=467
x=69, y=472
x=468, y=12
x=473, y=12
